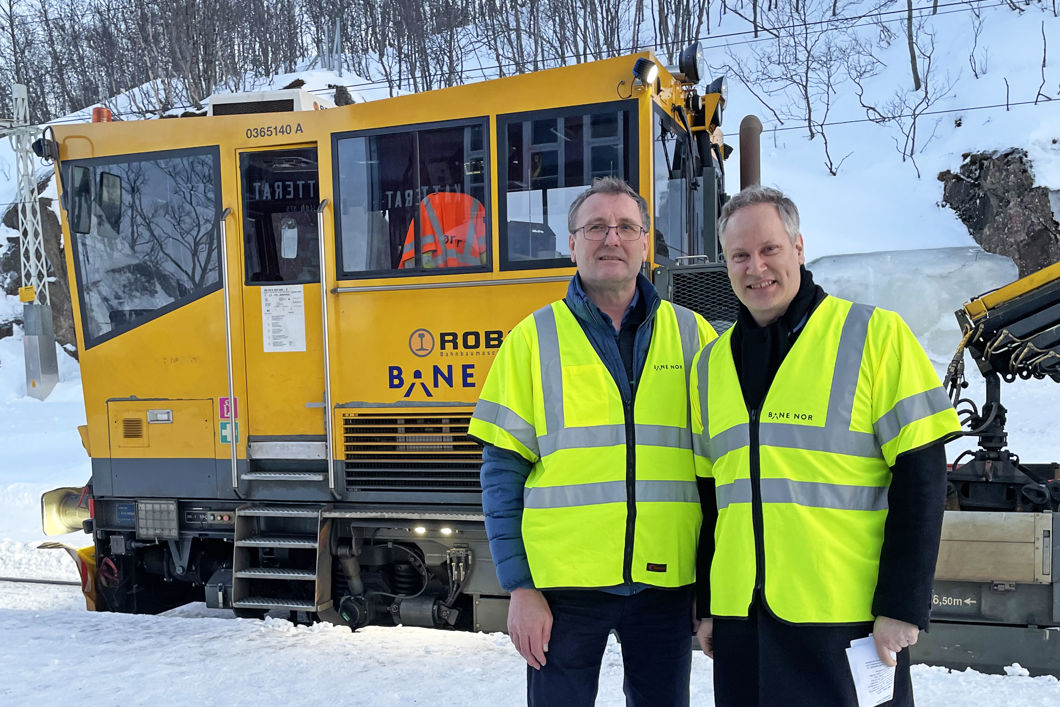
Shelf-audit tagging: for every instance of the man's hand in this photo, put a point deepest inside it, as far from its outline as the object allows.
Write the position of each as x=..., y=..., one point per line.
x=705, y=635
x=530, y=625
x=891, y=636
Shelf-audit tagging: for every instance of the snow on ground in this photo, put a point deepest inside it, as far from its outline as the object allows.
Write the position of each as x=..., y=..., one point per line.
x=107, y=659
x=60, y=652
x=41, y=451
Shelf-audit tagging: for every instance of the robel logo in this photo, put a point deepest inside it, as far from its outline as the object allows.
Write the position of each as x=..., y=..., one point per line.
x=421, y=343
x=431, y=379
x=470, y=340
x=473, y=342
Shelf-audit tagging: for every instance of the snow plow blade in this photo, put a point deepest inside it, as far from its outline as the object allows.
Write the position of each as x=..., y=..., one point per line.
x=86, y=568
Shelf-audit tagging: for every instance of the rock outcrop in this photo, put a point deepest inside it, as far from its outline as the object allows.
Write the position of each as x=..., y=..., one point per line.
x=994, y=195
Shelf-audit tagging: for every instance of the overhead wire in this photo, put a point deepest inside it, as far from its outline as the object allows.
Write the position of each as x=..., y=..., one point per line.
x=848, y=21
x=963, y=109
x=888, y=118
x=861, y=20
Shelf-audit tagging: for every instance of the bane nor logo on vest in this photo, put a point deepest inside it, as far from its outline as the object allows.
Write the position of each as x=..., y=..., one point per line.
x=788, y=415
x=668, y=367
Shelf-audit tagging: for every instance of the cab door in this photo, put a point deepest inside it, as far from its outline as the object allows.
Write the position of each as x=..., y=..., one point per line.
x=283, y=349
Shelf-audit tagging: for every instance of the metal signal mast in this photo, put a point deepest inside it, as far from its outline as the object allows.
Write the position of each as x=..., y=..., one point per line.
x=42, y=371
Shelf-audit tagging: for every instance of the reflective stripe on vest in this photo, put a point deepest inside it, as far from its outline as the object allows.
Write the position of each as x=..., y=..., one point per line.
x=805, y=493
x=609, y=492
x=509, y=421
x=576, y=512
x=915, y=407
x=556, y=435
x=433, y=241
x=836, y=436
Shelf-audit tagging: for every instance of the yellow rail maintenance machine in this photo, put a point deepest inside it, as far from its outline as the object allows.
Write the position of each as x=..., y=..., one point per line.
x=284, y=318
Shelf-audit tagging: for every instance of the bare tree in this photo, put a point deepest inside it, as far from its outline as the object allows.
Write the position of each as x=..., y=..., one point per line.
x=911, y=41
x=978, y=64
x=906, y=109
x=678, y=23
x=798, y=74
x=1045, y=48
x=17, y=40
x=168, y=54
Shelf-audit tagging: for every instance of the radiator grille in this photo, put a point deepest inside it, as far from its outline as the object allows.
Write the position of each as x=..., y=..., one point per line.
x=423, y=453
x=132, y=427
x=705, y=289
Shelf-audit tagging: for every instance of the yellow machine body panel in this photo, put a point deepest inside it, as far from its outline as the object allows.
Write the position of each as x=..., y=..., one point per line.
x=187, y=361
x=149, y=429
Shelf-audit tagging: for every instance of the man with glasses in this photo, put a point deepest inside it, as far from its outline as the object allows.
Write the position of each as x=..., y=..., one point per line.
x=588, y=482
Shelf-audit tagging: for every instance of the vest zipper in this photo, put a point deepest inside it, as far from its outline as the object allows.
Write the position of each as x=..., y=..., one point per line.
x=631, y=483
x=756, y=505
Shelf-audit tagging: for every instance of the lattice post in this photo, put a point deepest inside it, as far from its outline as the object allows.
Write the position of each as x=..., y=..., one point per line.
x=31, y=236
x=42, y=370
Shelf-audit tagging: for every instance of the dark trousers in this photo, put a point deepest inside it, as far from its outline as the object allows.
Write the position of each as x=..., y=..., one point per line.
x=654, y=627
x=764, y=661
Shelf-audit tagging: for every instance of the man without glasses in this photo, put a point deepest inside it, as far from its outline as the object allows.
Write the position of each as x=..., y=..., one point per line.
x=819, y=429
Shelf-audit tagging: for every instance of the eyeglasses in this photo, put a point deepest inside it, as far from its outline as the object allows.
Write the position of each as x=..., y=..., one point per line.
x=599, y=231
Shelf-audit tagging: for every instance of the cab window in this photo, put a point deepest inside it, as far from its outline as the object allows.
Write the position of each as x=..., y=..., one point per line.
x=550, y=158
x=279, y=199
x=145, y=235
x=678, y=227
x=412, y=201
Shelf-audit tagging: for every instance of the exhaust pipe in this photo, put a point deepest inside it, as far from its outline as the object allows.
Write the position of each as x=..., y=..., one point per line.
x=750, y=151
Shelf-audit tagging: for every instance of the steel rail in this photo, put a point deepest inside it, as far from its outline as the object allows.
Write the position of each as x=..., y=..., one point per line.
x=30, y=580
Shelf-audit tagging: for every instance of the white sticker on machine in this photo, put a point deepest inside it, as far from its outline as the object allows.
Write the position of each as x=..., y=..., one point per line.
x=282, y=318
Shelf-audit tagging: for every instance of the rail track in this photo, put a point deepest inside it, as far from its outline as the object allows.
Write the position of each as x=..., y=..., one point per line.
x=31, y=580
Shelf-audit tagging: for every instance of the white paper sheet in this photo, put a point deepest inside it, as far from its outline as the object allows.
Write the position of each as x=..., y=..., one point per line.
x=282, y=318
x=873, y=680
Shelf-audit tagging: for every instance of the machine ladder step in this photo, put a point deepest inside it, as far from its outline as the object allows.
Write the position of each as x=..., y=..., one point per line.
x=278, y=511
x=275, y=603
x=283, y=476
x=277, y=541
x=275, y=573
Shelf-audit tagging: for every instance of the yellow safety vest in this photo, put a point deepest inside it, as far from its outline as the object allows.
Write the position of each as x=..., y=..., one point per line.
x=549, y=398
x=855, y=391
